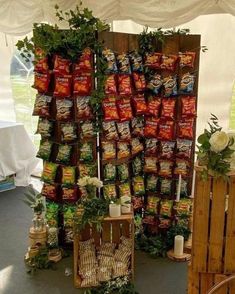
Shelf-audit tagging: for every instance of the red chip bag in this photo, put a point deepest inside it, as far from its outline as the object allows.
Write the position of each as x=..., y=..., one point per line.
x=150, y=129
x=153, y=60
x=62, y=86
x=139, y=81
x=154, y=105
x=69, y=194
x=188, y=106
x=110, y=85
x=124, y=109
x=166, y=130
x=61, y=65
x=124, y=85
x=185, y=129
x=187, y=59
x=82, y=84
x=49, y=191
x=139, y=103
x=110, y=109
x=168, y=107
x=84, y=62
x=169, y=61
x=41, y=81
x=41, y=65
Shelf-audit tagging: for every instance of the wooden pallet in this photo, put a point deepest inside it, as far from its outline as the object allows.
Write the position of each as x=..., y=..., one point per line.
x=112, y=230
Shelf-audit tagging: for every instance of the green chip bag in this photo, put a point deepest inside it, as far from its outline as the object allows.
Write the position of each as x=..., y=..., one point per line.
x=68, y=175
x=87, y=169
x=86, y=152
x=68, y=213
x=166, y=208
x=44, y=151
x=109, y=172
x=52, y=210
x=138, y=185
x=137, y=165
x=151, y=183
x=49, y=171
x=87, y=129
x=64, y=153
x=124, y=189
x=123, y=172
x=152, y=204
x=109, y=191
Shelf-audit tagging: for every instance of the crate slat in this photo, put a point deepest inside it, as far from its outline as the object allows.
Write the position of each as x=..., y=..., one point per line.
x=106, y=232
x=224, y=288
x=206, y=282
x=116, y=232
x=217, y=219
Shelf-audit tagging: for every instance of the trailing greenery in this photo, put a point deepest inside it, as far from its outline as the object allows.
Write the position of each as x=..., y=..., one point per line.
x=34, y=200
x=212, y=156
x=120, y=285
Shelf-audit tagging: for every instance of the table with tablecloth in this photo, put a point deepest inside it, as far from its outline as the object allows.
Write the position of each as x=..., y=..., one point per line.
x=17, y=153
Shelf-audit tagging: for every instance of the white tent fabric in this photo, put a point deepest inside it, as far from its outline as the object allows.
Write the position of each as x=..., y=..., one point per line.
x=18, y=16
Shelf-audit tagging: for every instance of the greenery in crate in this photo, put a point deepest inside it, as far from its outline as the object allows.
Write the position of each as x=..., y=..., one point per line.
x=214, y=152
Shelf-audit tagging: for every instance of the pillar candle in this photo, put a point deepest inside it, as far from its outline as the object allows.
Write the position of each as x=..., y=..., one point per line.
x=179, y=245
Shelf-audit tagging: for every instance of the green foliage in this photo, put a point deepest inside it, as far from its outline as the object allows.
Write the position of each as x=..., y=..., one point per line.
x=34, y=200
x=174, y=231
x=214, y=163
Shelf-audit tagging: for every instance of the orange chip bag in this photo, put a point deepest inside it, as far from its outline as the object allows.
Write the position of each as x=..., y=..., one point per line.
x=150, y=129
x=185, y=129
x=124, y=85
x=168, y=107
x=61, y=65
x=153, y=60
x=62, y=86
x=84, y=62
x=124, y=109
x=42, y=65
x=188, y=106
x=139, y=103
x=154, y=105
x=41, y=82
x=169, y=61
x=110, y=109
x=110, y=85
x=187, y=59
x=139, y=81
x=82, y=84
x=166, y=130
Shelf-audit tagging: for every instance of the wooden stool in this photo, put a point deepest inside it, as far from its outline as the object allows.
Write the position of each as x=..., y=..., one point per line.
x=37, y=237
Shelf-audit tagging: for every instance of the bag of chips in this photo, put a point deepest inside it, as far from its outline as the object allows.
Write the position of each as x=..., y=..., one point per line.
x=139, y=104
x=164, y=222
x=41, y=81
x=84, y=62
x=137, y=165
x=124, y=189
x=64, y=109
x=49, y=171
x=52, y=210
x=136, y=146
x=151, y=146
x=123, y=172
x=42, y=105
x=44, y=151
x=41, y=64
x=151, y=127
x=186, y=129
x=124, y=109
x=68, y=132
x=169, y=61
x=110, y=130
x=153, y=60
x=82, y=84
x=168, y=108
x=181, y=167
x=150, y=220
x=68, y=175
x=166, y=130
x=139, y=81
x=188, y=106
x=186, y=59
x=45, y=127
x=136, y=61
x=165, y=167
x=137, y=203
x=109, y=172
x=154, y=105
x=170, y=86
x=124, y=85
x=184, y=148
x=108, y=150
x=64, y=153
x=110, y=109
x=152, y=204
x=87, y=129
x=87, y=170
x=84, y=110
x=123, y=64
x=138, y=185
x=155, y=83
x=86, y=151
x=137, y=125
x=151, y=183
x=124, y=130
x=150, y=164
x=69, y=194
x=186, y=83
x=166, y=207
x=110, y=86
x=111, y=60
x=123, y=150
x=62, y=86
x=61, y=65
x=167, y=149
x=165, y=186
x=182, y=207
x=109, y=191
x=50, y=191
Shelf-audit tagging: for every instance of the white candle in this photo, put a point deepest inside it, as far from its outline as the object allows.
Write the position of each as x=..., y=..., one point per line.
x=179, y=245
x=193, y=184
x=114, y=210
x=179, y=188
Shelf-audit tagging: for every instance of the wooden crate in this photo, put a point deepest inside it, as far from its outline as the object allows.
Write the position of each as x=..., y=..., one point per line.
x=213, y=248
x=112, y=230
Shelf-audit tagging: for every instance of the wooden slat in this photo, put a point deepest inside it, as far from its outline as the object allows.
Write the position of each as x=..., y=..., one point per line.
x=217, y=219
x=200, y=225
x=116, y=232
x=106, y=232
x=77, y=279
x=86, y=233
x=96, y=235
x=107, y=39
x=126, y=229
x=120, y=42
x=224, y=288
x=229, y=260
x=171, y=44
x=195, y=285
x=133, y=42
x=232, y=287
x=206, y=282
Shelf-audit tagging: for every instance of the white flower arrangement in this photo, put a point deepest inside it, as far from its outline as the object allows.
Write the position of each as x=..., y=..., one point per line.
x=88, y=181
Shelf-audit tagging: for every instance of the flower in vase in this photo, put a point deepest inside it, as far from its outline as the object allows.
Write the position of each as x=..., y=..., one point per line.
x=218, y=141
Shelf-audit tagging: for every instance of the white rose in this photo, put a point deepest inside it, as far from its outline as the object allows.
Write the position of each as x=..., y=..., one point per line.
x=219, y=141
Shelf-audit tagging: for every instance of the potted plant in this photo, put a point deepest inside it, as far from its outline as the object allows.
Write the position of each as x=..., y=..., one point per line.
x=125, y=204
x=89, y=186
x=115, y=207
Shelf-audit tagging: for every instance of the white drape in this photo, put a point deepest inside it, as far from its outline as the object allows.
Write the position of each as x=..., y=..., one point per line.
x=17, y=16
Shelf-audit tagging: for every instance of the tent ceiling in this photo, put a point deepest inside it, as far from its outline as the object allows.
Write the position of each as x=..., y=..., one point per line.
x=18, y=16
